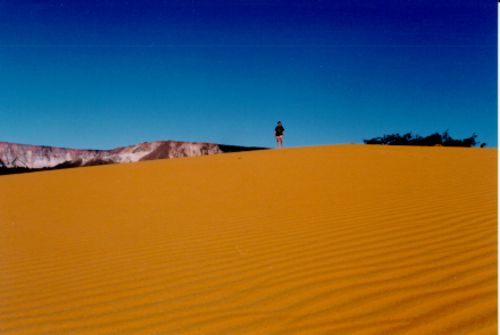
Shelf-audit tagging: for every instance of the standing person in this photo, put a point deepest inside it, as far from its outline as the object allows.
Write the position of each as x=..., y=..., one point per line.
x=279, y=132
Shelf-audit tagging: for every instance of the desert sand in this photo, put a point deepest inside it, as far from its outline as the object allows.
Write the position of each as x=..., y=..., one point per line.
x=347, y=239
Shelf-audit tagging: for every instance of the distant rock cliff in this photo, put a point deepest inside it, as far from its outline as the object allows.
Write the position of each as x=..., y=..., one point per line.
x=16, y=158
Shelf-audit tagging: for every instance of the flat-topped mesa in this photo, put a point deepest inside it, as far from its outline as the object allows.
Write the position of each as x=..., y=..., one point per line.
x=22, y=157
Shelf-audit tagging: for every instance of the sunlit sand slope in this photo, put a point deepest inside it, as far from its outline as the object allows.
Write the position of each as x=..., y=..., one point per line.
x=320, y=240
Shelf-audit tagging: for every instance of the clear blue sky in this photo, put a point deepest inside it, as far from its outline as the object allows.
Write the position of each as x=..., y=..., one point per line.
x=101, y=74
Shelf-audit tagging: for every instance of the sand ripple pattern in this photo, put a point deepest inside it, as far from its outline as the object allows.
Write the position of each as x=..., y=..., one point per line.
x=343, y=239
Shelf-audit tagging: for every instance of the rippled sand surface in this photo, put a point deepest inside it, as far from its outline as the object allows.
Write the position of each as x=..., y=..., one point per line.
x=346, y=239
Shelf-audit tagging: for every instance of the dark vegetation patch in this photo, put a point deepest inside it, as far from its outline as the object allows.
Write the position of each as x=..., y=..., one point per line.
x=435, y=139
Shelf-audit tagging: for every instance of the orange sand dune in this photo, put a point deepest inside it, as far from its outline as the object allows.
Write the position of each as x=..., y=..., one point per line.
x=321, y=240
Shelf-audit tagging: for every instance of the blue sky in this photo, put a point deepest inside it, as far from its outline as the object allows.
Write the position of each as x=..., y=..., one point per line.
x=101, y=74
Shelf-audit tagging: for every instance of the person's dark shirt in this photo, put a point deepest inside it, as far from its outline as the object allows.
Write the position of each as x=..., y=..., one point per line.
x=279, y=130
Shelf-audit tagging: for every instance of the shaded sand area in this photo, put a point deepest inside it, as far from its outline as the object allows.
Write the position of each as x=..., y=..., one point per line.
x=346, y=239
